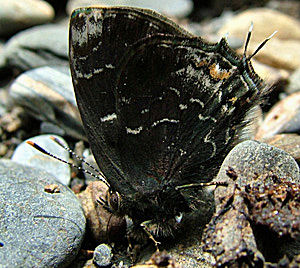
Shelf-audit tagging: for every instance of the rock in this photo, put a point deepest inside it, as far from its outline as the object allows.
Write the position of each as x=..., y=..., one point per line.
x=263, y=186
x=4, y=100
x=291, y=8
x=172, y=8
x=13, y=120
x=288, y=58
x=286, y=40
x=294, y=82
x=215, y=24
x=27, y=155
x=284, y=117
x=47, y=93
x=104, y=226
x=191, y=256
x=40, y=227
x=288, y=28
x=48, y=127
x=269, y=74
x=289, y=143
x=94, y=169
x=250, y=159
x=160, y=259
x=36, y=47
x=103, y=255
x=20, y=14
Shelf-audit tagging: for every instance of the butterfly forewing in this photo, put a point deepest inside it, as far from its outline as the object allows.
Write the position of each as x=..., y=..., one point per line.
x=99, y=38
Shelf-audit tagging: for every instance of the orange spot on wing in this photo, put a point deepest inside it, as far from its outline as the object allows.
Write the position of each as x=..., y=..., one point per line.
x=217, y=73
x=201, y=63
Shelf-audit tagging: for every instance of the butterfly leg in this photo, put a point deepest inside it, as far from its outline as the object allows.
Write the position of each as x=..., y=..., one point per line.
x=104, y=204
x=145, y=227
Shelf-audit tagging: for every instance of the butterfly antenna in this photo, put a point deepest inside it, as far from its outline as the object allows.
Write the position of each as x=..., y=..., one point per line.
x=248, y=40
x=201, y=184
x=42, y=150
x=76, y=156
x=261, y=46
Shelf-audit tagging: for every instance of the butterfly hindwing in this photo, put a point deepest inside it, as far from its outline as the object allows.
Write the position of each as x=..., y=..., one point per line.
x=177, y=104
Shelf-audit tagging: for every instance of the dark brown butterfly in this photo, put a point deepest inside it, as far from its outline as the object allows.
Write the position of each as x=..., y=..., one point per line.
x=161, y=107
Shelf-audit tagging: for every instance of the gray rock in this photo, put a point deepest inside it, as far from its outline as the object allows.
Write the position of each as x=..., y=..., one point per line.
x=91, y=166
x=1, y=45
x=36, y=47
x=47, y=127
x=47, y=93
x=27, y=155
x=40, y=227
x=102, y=255
x=4, y=100
x=256, y=175
x=250, y=159
x=20, y=14
x=294, y=82
x=173, y=8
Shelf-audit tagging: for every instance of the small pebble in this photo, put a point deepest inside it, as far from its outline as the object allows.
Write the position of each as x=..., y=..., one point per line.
x=103, y=255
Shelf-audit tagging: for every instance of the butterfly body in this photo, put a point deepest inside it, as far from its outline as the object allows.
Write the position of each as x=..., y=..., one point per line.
x=161, y=107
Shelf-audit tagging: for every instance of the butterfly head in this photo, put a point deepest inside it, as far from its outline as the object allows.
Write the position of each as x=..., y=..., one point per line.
x=155, y=210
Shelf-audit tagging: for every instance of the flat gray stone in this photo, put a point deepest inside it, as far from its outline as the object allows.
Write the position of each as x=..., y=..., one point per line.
x=35, y=47
x=47, y=93
x=39, y=228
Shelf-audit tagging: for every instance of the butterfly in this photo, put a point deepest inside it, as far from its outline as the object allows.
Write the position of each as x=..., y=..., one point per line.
x=161, y=108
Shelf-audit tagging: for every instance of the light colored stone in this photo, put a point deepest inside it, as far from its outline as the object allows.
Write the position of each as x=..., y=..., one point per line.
x=29, y=156
x=284, y=117
x=20, y=14
x=282, y=54
x=269, y=74
x=294, y=82
x=265, y=22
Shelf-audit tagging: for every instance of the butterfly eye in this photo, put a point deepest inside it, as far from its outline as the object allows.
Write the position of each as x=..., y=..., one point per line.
x=114, y=200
